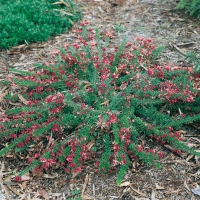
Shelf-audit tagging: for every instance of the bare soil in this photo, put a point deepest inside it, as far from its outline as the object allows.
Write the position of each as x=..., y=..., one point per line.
x=180, y=34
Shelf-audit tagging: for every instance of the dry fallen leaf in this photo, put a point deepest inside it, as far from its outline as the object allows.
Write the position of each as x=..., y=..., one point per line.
x=71, y=186
x=86, y=197
x=159, y=187
x=38, y=173
x=85, y=184
x=66, y=13
x=137, y=191
x=24, y=101
x=14, y=190
x=3, y=94
x=1, y=181
x=90, y=144
x=105, y=103
x=55, y=194
x=189, y=157
x=50, y=176
x=153, y=195
x=43, y=193
x=127, y=183
x=61, y=2
x=24, y=184
x=25, y=177
x=186, y=186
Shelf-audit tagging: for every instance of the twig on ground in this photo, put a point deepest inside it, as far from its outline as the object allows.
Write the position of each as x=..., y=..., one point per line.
x=179, y=50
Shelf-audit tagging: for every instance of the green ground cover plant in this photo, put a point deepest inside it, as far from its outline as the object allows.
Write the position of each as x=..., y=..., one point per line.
x=191, y=6
x=95, y=104
x=28, y=21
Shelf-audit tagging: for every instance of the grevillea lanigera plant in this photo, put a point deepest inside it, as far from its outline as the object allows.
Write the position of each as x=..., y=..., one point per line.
x=94, y=102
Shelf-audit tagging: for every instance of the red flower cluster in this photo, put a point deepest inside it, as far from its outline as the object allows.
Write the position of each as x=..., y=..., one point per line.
x=58, y=98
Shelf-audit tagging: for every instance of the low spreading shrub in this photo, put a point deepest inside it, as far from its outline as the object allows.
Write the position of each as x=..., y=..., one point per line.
x=94, y=102
x=28, y=21
x=191, y=6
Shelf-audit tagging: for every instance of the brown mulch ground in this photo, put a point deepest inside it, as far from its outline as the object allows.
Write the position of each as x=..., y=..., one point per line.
x=179, y=175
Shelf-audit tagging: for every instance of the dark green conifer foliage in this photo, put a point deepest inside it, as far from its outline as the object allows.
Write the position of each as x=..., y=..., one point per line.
x=27, y=21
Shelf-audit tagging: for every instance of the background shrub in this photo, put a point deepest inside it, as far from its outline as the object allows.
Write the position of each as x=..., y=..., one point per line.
x=31, y=21
x=191, y=6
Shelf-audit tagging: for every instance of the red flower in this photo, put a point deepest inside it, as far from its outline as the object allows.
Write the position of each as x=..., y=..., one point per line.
x=150, y=72
x=70, y=158
x=83, y=155
x=55, y=128
x=123, y=159
x=56, y=52
x=170, y=128
x=84, y=23
x=29, y=160
x=21, y=144
x=112, y=120
x=115, y=76
x=33, y=102
x=39, y=89
x=168, y=68
x=18, y=178
x=116, y=147
x=13, y=135
x=140, y=148
x=160, y=154
x=66, y=170
x=43, y=160
x=69, y=84
x=97, y=163
x=189, y=99
x=37, y=155
x=48, y=163
x=177, y=134
x=110, y=34
x=106, y=61
x=163, y=142
x=56, y=110
x=128, y=44
x=151, y=151
x=140, y=58
x=164, y=136
x=83, y=106
x=72, y=164
x=78, y=169
x=93, y=43
x=77, y=46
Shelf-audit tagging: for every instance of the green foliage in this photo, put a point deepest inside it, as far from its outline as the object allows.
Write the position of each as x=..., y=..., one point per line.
x=195, y=59
x=74, y=194
x=191, y=6
x=92, y=104
x=119, y=28
x=28, y=21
